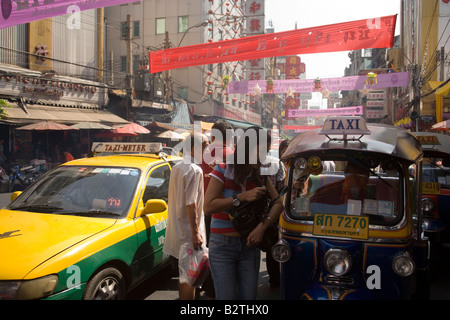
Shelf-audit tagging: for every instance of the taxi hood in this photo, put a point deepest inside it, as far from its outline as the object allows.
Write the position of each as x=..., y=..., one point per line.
x=27, y=239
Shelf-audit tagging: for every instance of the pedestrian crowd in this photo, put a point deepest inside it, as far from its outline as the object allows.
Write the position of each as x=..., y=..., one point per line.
x=201, y=198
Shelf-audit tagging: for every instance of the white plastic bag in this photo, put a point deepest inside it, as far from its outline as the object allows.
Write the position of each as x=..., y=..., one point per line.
x=193, y=264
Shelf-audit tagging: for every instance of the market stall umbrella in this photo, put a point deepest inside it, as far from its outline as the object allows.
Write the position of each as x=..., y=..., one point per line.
x=114, y=134
x=90, y=126
x=169, y=134
x=132, y=128
x=46, y=126
x=443, y=125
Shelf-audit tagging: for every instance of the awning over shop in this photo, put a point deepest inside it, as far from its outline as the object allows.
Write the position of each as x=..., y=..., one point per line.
x=440, y=92
x=33, y=113
x=234, y=123
x=240, y=125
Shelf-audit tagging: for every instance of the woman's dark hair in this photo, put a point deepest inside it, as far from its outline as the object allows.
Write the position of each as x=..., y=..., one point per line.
x=242, y=152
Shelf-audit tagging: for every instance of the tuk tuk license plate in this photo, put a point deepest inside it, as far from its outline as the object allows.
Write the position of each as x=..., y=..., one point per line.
x=342, y=226
x=431, y=188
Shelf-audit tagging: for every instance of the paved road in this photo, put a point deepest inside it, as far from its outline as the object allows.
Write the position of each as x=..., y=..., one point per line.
x=164, y=286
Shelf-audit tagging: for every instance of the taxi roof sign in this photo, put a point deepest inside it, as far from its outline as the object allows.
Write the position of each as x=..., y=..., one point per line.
x=340, y=125
x=120, y=147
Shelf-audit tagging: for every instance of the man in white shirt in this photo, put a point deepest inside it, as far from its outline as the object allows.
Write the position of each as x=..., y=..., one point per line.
x=185, y=221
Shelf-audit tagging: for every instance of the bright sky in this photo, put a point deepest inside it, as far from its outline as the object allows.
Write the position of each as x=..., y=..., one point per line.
x=311, y=13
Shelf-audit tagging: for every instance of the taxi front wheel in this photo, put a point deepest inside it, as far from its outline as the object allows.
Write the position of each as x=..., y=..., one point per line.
x=107, y=284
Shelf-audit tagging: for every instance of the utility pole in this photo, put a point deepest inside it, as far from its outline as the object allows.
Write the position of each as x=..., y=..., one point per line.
x=168, y=93
x=100, y=43
x=416, y=100
x=442, y=60
x=129, y=80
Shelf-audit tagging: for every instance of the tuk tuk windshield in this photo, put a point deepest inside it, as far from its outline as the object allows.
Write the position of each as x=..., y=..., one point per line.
x=437, y=171
x=347, y=186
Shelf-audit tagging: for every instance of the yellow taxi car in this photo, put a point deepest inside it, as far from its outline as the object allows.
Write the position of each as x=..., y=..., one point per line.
x=92, y=228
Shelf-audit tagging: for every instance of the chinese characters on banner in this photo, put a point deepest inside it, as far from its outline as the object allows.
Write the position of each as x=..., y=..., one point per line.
x=346, y=36
x=24, y=11
x=254, y=11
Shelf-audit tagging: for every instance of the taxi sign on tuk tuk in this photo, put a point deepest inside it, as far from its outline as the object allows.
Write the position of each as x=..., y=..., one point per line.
x=345, y=126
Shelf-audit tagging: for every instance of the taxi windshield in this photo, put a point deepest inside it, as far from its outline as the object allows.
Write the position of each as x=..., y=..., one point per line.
x=437, y=171
x=75, y=190
x=347, y=186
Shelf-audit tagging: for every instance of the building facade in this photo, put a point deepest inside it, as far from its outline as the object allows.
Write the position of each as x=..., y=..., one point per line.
x=161, y=24
x=51, y=70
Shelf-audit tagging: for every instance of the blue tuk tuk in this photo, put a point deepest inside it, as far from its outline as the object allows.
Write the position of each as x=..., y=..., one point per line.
x=352, y=225
x=436, y=189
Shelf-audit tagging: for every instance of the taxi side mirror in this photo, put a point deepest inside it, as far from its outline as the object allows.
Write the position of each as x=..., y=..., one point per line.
x=154, y=206
x=14, y=195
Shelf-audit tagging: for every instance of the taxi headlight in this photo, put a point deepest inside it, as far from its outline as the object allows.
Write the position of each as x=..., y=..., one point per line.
x=337, y=261
x=427, y=205
x=37, y=288
x=281, y=251
x=403, y=264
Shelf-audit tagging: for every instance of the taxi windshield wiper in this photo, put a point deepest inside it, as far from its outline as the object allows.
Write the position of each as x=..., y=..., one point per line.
x=38, y=208
x=91, y=213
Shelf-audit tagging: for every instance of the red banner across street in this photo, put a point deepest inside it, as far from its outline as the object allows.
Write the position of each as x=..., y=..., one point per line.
x=353, y=35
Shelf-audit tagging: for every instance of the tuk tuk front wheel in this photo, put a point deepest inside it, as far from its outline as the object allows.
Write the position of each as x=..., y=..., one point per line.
x=422, y=285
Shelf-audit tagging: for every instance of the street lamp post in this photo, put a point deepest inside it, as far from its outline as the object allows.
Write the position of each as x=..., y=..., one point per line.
x=203, y=24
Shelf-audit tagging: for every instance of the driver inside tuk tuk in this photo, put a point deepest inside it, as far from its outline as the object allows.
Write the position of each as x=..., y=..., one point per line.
x=353, y=186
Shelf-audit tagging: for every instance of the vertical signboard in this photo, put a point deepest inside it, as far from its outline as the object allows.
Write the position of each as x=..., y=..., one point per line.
x=254, y=11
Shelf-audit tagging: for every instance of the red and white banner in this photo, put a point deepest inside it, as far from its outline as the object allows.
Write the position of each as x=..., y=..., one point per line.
x=353, y=35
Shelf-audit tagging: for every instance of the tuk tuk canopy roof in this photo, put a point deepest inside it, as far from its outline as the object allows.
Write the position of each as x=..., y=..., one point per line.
x=434, y=144
x=383, y=139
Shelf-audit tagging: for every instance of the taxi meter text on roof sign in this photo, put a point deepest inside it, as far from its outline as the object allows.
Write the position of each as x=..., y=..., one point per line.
x=126, y=147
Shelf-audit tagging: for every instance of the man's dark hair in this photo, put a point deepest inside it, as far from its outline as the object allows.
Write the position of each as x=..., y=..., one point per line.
x=284, y=144
x=222, y=126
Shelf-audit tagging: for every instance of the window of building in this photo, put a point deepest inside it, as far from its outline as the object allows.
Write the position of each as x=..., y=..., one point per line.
x=135, y=62
x=161, y=26
x=136, y=29
x=183, y=24
x=183, y=93
x=123, y=30
x=123, y=63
